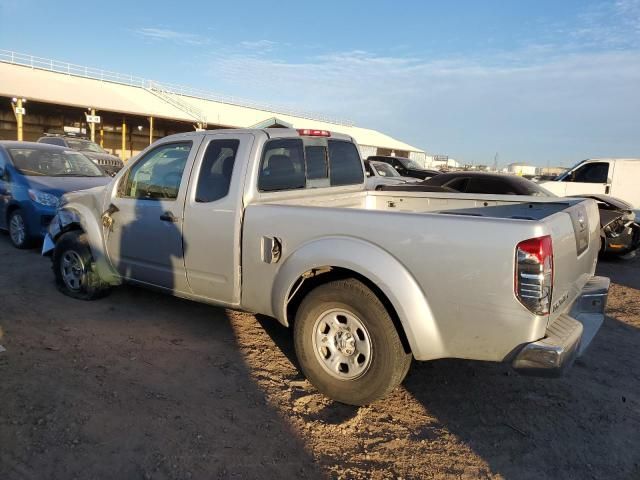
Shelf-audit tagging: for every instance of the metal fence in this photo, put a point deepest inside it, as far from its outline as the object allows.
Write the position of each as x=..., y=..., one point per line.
x=57, y=66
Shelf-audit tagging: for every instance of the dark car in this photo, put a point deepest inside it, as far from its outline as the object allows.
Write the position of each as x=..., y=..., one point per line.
x=109, y=164
x=405, y=166
x=33, y=177
x=619, y=232
x=491, y=183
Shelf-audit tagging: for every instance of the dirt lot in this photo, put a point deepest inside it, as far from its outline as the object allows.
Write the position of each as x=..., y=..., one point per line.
x=140, y=385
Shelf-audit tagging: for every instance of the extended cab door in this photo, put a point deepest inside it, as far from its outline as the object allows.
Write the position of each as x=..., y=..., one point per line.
x=145, y=239
x=213, y=217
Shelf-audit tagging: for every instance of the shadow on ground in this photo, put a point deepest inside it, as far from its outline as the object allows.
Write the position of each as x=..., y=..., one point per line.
x=137, y=385
x=474, y=419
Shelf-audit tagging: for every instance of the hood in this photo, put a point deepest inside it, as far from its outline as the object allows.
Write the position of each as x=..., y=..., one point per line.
x=612, y=201
x=60, y=185
x=409, y=179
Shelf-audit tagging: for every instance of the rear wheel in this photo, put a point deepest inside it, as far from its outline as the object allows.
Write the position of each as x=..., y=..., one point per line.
x=347, y=344
x=18, y=230
x=74, y=269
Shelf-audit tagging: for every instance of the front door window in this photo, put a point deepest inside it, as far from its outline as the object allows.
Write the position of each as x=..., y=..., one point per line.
x=596, y=172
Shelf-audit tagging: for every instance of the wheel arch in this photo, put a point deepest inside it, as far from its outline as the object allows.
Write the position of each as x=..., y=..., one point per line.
x=80, y=218
x=10, y=209
x=324, y=260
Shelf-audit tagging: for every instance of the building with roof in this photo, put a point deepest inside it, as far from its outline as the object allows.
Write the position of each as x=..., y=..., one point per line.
x=43, y=96
x=521, y=169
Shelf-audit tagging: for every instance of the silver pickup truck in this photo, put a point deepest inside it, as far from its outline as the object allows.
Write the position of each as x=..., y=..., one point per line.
x=278, y=222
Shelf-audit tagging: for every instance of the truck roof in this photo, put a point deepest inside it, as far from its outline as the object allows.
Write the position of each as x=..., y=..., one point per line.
x=602, y=159
x=273, y=133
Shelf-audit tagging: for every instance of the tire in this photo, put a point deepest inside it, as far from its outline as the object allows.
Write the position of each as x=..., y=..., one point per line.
x=18, y=231
x=74, y=268
x=347, y=344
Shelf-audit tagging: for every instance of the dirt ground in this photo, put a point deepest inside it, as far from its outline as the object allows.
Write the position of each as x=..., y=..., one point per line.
x=141, y=385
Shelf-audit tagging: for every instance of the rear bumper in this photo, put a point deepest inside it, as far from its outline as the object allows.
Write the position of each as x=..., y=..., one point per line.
x=568, y=336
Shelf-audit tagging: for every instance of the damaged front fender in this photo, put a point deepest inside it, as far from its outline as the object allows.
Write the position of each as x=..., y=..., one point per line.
x=64, y=221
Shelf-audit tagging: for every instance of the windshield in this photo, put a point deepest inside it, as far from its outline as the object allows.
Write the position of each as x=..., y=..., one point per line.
x=385, y=170
x=78, y=144
x=53, y=163
x=411, y=164
x=563, y=176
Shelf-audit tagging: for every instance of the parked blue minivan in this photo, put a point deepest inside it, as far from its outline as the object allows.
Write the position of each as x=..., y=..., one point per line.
x=33, y=177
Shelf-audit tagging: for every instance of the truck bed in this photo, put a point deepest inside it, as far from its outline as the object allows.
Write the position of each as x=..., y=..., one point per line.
x=475, y=205
x=459, y=248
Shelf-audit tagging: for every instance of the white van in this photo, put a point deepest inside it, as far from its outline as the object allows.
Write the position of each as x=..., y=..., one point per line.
x=618, y=177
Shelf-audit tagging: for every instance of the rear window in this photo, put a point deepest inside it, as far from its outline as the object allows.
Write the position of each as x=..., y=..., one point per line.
x=282, y=166
x=489, y=186
x=346, y=167
x=292, y=163
x=458, y=184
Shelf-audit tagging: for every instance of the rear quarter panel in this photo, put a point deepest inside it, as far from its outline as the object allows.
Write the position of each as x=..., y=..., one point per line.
x=464, y=267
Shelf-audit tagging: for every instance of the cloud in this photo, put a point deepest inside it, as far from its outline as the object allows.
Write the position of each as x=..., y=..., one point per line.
x=523, y=106
x=164, y=34
x=259, y=45
x=609, y=25
x=569, y=95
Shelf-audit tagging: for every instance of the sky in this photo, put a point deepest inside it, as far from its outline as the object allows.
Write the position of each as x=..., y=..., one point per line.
x=545, y=82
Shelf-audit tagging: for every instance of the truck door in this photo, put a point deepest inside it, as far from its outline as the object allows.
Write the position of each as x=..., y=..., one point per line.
x=213, y=217
x=591, y=177
x=144, y=241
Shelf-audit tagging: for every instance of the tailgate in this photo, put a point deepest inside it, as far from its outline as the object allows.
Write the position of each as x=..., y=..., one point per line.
x=576, y=241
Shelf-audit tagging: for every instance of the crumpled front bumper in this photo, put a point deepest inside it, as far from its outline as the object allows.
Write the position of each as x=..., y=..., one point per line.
x=625, y=242
x=568, y=336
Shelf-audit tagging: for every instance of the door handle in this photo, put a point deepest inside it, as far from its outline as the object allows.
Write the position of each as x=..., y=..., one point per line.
x=168, y=217
x=607, y=189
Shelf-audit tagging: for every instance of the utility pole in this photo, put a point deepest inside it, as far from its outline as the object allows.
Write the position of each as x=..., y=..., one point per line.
x=19, y=111
x=123, y=153
x=495, y=162
x=93, y=126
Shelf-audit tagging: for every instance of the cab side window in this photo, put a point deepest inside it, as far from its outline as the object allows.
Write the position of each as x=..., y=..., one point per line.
x=596, y=172
x=216, y=170
x=158, y=174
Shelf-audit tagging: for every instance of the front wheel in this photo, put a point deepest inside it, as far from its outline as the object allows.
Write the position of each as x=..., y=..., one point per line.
x=347, y=344
x=18, y=230
x=73, y=267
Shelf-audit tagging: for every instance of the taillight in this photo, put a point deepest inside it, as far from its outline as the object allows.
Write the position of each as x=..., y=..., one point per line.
x=534, y=274
x=313, y=133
